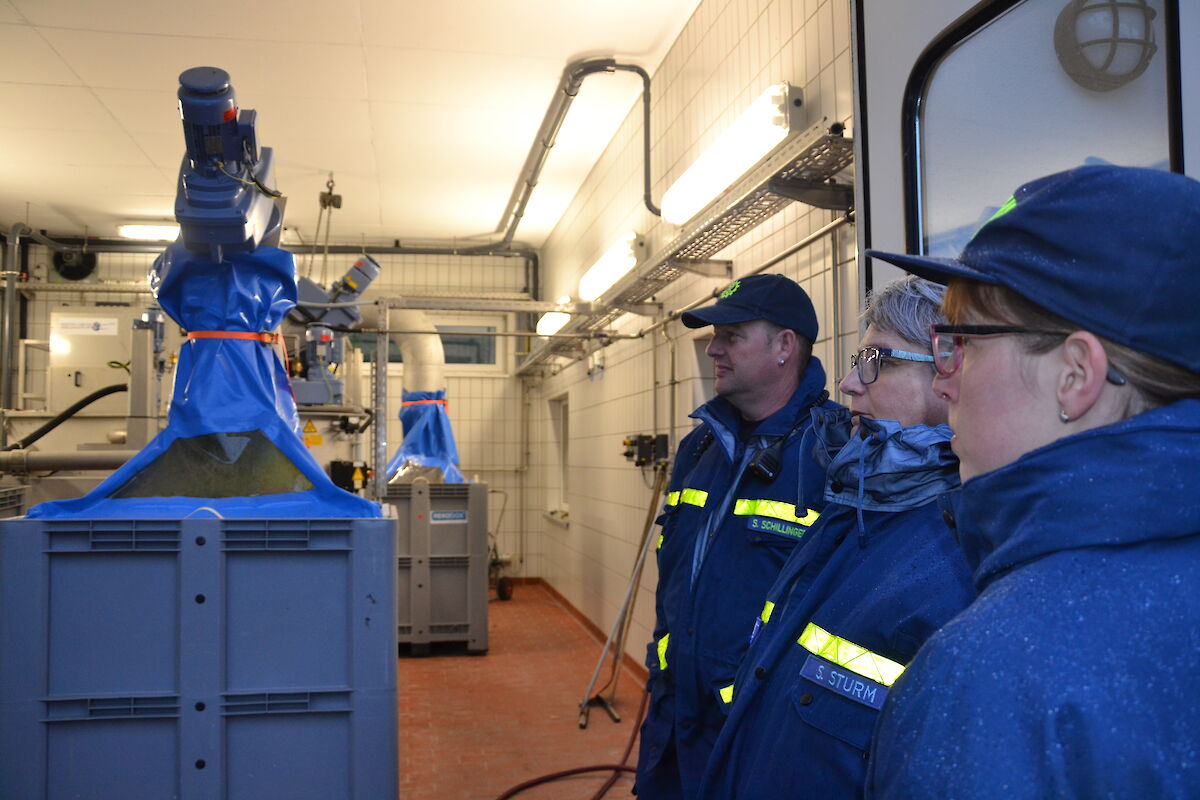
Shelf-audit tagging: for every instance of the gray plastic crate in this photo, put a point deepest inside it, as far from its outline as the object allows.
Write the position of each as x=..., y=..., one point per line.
x=198, y=659
x=442, y=564
x=12, y=501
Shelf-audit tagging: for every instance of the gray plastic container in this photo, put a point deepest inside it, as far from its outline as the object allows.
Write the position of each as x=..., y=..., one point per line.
x=442, y=564
x=198, y=659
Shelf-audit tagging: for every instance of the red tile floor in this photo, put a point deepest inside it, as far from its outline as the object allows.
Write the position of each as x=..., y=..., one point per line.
x=472, y=727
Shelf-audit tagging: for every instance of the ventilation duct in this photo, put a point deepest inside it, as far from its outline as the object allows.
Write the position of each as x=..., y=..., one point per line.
x=428, y=449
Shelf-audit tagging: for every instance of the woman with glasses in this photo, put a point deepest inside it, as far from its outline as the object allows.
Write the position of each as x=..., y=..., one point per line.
x=871, y=580
x=1071, y=366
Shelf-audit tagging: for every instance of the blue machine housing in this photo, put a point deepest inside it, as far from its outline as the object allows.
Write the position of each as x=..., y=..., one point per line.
x=325, y=337
x=226, y=198
x=311, y=296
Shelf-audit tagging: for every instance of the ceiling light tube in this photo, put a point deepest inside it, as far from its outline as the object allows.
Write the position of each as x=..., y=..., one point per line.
x=611, y=267
x=750, y=139
x=553, y=321
x=163, y=232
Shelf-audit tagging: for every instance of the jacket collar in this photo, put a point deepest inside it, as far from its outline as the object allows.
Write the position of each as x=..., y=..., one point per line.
x=886, y=467
x=725, y=419
x=1121, y=484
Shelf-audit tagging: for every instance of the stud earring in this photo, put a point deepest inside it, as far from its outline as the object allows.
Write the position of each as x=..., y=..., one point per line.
x=1063, y=415
x=781, y=362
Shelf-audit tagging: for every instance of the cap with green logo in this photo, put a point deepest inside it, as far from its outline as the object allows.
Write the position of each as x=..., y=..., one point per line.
x=775, y=298
x=1111, y=249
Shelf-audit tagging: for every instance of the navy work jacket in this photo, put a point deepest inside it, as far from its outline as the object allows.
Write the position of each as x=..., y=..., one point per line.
x=1072, y=673
x=875, y=577
x=725, y=533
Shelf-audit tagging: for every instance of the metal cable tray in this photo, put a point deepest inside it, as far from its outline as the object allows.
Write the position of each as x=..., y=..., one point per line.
x=809, y=158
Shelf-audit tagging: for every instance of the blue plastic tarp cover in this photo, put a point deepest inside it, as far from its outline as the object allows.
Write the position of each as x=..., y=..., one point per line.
x=428, y=438
x=232, y=445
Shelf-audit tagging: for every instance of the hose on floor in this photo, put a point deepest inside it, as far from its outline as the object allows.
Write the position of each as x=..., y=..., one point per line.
x=616, y=769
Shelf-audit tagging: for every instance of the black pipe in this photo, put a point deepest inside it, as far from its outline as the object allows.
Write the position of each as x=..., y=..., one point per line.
x=74, y=409
x=653, y=209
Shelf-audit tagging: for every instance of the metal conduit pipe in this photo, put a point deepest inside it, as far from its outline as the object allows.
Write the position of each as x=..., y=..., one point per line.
x=7, y=345
x=835, y=285
x=34, y=460
x=6, y=325
x=80, y=288
x=556, y=113
x=429, y=248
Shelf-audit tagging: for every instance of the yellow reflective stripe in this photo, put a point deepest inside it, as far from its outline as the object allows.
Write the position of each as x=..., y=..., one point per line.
x=727, y=694
x=776, y=509
x=662, y=652
x=693, y=497
x=765, y=616
x=660, y=541
x=849, y=655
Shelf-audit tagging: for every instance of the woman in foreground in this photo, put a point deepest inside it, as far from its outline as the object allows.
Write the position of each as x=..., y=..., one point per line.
x=1070, y=369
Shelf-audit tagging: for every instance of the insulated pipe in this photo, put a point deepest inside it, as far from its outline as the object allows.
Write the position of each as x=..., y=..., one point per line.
x=424, y=356
x=32, y=460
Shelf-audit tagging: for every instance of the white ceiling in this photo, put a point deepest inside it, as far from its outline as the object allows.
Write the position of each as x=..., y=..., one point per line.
x=423, y=110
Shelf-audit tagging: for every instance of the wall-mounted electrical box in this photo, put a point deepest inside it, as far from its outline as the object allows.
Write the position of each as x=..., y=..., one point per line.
x=644, y=448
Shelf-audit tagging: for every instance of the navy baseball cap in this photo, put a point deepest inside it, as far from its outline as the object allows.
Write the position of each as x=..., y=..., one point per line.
x=775, y=298
x=1115, y=250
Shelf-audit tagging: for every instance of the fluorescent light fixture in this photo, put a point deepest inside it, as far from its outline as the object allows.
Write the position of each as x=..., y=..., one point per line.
x=611, y=267
x=164, y=233
x=553, y=321
x=751, y=137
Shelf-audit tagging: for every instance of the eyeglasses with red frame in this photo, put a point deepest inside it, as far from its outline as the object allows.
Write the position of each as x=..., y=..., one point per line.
x=947, y=345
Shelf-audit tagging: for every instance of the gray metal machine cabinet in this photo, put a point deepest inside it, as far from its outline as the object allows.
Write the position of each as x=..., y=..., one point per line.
x=442, y=555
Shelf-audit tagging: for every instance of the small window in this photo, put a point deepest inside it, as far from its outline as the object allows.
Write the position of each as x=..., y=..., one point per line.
x=464, y=344
x=561, y=431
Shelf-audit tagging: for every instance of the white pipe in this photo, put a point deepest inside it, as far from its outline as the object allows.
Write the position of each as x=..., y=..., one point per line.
x=424, y=356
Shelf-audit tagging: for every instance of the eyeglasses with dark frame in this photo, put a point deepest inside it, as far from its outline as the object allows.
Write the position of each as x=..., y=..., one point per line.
x=868, y=359
x=947, y=344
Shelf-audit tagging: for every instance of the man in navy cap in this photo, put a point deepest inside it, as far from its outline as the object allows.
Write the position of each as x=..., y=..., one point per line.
x=743, y=493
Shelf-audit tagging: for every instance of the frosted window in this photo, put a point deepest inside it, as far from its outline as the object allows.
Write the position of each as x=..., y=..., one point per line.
x=1001, y=109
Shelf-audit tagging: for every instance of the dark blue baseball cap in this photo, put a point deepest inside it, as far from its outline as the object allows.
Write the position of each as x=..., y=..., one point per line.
x=775, y=298
x=1115, y=250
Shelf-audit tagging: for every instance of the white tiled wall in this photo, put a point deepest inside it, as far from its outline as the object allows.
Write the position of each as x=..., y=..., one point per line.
x=726, y=55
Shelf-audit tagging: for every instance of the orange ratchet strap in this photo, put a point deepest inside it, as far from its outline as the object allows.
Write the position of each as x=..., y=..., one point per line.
x=423, y=402
x=264, y=337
